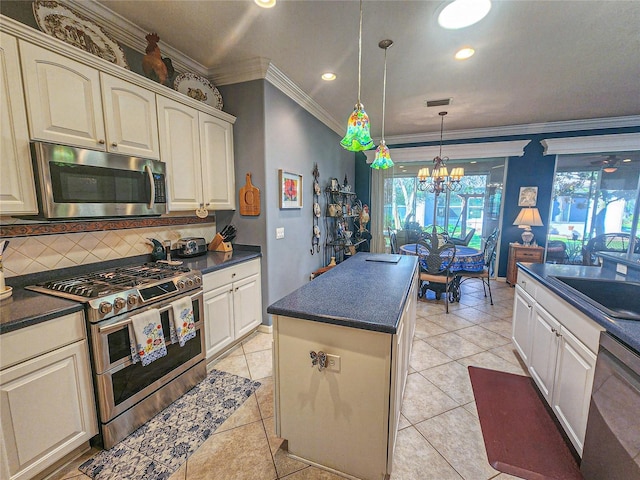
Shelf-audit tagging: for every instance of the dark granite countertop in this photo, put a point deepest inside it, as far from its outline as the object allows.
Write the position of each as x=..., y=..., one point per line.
x=357, y=293
x=628, y=331
x=25, y=308
x=213, y=261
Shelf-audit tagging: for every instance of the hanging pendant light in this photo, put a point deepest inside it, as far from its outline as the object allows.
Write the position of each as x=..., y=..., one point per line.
x=358, y=135
x=383, y=157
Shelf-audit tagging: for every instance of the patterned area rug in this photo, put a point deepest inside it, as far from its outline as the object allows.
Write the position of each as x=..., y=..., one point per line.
x=158, y=448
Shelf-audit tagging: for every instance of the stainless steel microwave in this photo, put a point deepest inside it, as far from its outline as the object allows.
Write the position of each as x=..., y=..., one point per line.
x=79, y=183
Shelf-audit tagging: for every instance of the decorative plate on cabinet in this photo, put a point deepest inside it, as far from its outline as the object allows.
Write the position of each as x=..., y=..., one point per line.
x=72, y=27
x=198, y=88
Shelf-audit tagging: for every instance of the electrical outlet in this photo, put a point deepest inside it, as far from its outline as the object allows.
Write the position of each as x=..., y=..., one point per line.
x=279, y=233
x=333, y=363
x=621, y=268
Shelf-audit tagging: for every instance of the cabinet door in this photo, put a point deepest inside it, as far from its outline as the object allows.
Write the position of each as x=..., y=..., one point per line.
x=521, y=333
x=247, y=305
x=218, y=174
x=544, y=350
x=17, y=188
x=63, y=99
x=48, y=409
x=130, y=117
x=218, y=314
x=180, y=149
x=573, y=385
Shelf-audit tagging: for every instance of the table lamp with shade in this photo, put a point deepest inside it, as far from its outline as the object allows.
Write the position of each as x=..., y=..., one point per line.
x=527, y=218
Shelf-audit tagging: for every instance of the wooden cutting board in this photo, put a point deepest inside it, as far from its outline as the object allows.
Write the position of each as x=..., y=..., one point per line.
x=249, y=198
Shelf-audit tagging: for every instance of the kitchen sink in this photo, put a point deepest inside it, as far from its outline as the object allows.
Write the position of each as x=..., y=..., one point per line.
x=616, y=298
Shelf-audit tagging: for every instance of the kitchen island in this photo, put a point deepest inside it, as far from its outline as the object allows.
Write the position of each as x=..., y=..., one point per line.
x=341, y=356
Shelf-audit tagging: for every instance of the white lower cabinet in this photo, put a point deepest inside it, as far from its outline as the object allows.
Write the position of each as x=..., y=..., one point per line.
x=46, y=400
x=232, y=305
x=559, y=345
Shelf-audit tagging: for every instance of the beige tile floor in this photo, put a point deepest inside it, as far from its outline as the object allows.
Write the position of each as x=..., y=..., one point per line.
x=439, y=435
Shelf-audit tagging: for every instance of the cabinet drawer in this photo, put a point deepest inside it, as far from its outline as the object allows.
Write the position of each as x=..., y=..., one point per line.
x=523, y=255
x=527, y=283
x=230, y=274
x=29, y=342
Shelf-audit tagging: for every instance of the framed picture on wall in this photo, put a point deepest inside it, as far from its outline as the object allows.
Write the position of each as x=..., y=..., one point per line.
x=528, y=197
x=290, y=189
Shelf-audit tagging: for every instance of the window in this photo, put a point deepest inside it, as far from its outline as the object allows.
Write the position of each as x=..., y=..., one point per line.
x=594, y=206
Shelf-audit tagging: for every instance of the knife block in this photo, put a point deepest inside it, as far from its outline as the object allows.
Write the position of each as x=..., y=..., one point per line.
x=219, y=245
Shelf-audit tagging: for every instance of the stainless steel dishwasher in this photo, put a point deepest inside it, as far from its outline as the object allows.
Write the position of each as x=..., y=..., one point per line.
x=612, y=441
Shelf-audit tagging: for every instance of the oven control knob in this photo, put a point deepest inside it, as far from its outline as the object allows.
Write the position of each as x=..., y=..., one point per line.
x=119, y=303
x=105, y=307
x=180, y=284
x=132, y=300
x=198, y=280
x=189, y=282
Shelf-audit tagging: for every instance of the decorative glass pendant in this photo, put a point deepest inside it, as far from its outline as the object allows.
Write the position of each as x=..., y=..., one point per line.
x=383, y=157
x=358, y=137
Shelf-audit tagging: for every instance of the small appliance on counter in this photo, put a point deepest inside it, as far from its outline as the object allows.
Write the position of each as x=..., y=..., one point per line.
x=191, y=247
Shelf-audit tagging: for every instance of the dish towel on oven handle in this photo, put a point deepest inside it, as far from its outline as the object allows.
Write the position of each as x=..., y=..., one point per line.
x=184, y=322
x=149, y=337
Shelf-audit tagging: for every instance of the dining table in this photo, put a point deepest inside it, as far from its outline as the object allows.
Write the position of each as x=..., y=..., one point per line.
x=466, y=259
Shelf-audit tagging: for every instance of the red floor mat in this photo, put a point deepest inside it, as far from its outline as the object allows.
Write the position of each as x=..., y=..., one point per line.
x=519, y=434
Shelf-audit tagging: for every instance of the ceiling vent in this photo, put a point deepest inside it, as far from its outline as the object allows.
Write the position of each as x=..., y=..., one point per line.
x=438, y=103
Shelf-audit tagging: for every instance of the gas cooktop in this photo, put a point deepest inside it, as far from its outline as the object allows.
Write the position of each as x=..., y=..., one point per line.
x=114, y=291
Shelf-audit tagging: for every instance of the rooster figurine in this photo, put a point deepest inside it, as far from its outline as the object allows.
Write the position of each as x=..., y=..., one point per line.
x=363, y=219
x=153, y=65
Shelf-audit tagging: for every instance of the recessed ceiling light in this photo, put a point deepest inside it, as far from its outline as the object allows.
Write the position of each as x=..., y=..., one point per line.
x=464, y=53
x=473, y=161
x=328, y=76
x=462, y=13
x=626, y=160
x=265, y=3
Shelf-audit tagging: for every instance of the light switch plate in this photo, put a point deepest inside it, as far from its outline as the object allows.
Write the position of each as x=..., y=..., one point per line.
x=333, y=363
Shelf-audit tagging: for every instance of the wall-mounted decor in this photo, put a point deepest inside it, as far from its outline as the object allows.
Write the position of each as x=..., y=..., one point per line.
x=290, y=189
x=528, y=197
x=249, y=197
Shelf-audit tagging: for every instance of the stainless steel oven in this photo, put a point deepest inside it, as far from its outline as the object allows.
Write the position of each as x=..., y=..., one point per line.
x=127, y=392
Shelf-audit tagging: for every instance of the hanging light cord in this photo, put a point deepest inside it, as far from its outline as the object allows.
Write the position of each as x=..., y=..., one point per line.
x=360, y=55
x=384, y=89
x=442, y=114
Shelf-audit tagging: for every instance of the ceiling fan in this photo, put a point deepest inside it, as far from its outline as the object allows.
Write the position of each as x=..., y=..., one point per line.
x=610, y=163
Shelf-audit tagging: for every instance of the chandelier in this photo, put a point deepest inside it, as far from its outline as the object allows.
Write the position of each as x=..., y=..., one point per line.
x=441, y=179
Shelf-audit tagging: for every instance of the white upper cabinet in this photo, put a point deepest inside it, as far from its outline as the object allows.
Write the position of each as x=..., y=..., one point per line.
x=63, y=99
x=17, y=189
x=180, y=149
x=218, y=175
x=73, y=104
x=198, y=150
x=130, y=118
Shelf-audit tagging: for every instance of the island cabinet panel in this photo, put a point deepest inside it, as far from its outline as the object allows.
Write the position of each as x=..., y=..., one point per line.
x=337, y=419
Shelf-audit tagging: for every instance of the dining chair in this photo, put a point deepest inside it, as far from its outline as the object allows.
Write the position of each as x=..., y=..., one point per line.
x=436, y=259
x=465, y=240
x=487, y=271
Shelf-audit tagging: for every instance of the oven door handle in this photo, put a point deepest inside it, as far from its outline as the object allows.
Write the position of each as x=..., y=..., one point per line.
x=152, y=186
x=118, y=325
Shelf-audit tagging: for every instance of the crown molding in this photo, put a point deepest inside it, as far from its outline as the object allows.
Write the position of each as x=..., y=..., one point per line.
x=527, y=129
x=462, y=151
x=240, y=72
x=133, y=35
x=592, y=144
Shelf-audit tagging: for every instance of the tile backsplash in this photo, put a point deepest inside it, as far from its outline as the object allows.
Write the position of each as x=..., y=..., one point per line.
x=38, y=253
